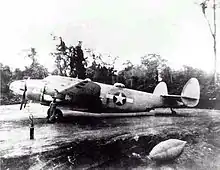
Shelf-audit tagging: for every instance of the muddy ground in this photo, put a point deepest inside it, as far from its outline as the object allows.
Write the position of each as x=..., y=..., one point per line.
x=110, y=143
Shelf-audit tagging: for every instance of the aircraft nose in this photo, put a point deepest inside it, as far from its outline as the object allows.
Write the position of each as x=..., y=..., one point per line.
x=12, y=86
x=17, y=87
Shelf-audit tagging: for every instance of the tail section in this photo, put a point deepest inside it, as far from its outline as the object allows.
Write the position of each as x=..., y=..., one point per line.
x=161, y=89
x=191, y=93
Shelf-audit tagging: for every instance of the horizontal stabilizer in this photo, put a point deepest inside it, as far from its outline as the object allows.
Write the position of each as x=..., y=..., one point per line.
x=190, y=94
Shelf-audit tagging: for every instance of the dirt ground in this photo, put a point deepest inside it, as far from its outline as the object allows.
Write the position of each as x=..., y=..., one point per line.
x=80, y=142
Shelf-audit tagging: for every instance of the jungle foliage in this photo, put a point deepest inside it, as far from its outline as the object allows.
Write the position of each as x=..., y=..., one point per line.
x=71, y=61
x=34, y=71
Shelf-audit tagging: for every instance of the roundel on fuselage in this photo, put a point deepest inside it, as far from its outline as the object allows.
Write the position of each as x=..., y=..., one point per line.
x=119, y=98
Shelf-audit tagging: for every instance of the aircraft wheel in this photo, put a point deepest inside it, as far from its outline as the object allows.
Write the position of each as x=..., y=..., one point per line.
x=173, y=112
x=48, y=113
x=54, y=118
x=58, y=115
x=148, y=109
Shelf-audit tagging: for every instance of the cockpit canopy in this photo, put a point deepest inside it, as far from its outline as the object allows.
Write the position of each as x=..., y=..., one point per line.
x=120, y=85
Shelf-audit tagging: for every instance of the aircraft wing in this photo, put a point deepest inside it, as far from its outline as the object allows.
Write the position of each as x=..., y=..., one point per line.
x=82, y=88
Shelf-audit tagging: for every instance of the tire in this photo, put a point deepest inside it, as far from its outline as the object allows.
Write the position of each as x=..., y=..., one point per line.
x=58, y=116
x=48, y=113
x=148, y=109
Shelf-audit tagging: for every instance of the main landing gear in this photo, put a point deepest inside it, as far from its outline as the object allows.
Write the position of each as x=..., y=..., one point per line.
x=54, y=114
x=173, y=111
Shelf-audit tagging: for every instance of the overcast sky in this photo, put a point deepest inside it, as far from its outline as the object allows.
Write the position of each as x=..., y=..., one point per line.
x=175, y=29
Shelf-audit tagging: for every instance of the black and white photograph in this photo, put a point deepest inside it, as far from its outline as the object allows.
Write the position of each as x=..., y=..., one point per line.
x=110, y=84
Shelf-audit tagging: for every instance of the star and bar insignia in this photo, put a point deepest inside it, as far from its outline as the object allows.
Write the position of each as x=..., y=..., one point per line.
x=119, y=98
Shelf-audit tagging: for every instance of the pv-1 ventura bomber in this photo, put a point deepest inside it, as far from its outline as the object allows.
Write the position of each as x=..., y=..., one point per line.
x=99, y=98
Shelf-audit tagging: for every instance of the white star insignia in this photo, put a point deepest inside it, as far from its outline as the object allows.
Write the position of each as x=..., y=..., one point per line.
x=120, y=98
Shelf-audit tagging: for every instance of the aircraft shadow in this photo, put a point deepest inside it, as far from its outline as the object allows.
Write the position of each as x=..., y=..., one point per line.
x=82, y=120
x=171, y=115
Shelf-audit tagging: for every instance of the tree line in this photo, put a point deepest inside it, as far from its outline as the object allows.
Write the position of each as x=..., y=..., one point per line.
x=71, y=61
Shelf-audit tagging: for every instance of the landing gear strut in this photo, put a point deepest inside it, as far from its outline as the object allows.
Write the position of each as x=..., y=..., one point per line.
x=54, y=114
x=173, y=111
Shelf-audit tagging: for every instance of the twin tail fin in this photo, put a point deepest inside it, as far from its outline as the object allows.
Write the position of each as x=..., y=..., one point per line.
x=190, y=94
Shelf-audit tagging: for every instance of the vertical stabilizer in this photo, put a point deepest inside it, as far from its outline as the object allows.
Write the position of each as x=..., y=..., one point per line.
x=191, y=93
x=161, y=89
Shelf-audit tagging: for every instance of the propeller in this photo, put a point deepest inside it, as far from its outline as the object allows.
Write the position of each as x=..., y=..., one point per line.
x=42, y=94
x=56, y=95
x=23, y=99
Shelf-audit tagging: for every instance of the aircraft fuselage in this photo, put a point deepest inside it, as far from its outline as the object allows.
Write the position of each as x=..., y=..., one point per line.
x=112, y=98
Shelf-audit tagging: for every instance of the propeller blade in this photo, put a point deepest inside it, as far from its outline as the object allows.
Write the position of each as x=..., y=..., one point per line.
x=23, y=99
x=25, y=103
x=56, y=93
x=42, y=94
x=21, y=105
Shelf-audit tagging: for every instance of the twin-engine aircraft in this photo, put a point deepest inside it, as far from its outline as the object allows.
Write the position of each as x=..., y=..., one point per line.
x=73, y=93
